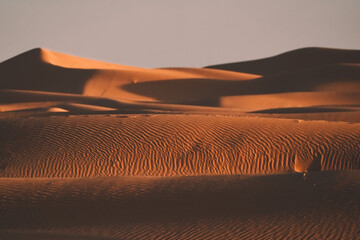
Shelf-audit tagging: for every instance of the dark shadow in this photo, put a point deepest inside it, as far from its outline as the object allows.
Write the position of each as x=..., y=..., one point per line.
x=316, y=163
x=197, y=91
x=292, y=61
x=38, y=235
x=302, y=110
x=172, y=199
x=202, y=91
x=27, y=71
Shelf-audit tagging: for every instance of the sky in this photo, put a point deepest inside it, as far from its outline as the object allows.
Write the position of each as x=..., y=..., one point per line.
x=176, y=33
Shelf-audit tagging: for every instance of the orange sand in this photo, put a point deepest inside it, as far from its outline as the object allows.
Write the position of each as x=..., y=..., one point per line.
x=93, y=150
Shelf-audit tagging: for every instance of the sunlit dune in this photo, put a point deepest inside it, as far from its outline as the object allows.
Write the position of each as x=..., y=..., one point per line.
x=264, y=149
x=173, y=145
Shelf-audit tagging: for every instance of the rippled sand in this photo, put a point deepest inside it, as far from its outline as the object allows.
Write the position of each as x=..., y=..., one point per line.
x=265, y=149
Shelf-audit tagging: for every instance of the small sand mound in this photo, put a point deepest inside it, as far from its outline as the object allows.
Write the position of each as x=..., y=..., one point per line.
x=307, y=162
x=56, y=109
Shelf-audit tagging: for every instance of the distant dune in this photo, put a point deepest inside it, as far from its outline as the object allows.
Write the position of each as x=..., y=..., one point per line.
x=333, y=84
x=268, y=148
x=295, y=60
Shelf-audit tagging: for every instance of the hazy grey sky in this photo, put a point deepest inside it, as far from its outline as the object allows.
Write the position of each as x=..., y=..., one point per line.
x=160, y=33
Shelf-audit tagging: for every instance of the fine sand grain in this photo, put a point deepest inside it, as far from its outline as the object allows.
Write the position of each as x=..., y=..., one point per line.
x=264, y=149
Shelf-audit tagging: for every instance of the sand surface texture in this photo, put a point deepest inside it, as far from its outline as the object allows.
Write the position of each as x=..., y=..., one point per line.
x=264, y=149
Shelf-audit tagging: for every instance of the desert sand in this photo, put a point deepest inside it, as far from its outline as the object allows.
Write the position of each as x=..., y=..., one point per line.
x=263, y=149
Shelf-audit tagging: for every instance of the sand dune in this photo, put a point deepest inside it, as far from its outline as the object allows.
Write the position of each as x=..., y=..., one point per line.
x=173, y=145
x=264, y=149
x=293, y=60
x=324, y=205
x=332, y=83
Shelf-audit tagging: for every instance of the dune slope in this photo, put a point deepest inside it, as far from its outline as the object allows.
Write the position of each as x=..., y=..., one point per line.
x=293, y=60
x=324, y=205
x=173, y=145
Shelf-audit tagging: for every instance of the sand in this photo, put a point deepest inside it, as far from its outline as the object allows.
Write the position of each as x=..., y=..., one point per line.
x=264, y=149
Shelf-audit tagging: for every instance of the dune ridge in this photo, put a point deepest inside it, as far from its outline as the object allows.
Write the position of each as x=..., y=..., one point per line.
x=330, y=79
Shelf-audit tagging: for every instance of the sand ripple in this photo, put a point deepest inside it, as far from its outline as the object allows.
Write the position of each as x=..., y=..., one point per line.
x=173, y=145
